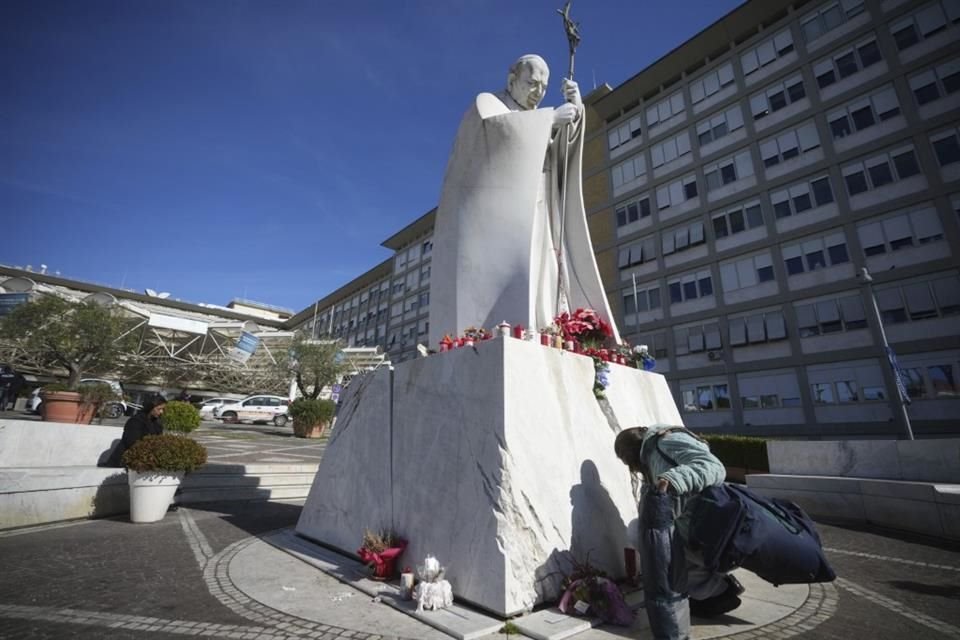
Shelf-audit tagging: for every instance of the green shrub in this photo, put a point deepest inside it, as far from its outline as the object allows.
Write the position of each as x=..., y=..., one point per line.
x=166, y=452
x=181, y=417
x=55, y=387
x=745, y=452
x=307, y=412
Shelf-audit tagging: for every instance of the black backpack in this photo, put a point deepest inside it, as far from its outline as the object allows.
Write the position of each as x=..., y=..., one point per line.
x=775, y=539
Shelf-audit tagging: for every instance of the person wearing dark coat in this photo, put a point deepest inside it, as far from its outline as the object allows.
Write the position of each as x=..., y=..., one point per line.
x=145, y=423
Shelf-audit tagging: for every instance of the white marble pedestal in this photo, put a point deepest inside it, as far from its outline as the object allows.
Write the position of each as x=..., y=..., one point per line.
x=498, y=460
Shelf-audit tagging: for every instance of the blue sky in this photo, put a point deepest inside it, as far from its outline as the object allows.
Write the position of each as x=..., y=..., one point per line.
x=230, y=148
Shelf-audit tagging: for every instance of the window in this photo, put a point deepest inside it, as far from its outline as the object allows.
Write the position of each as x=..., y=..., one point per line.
x=789, y=145
x=665, y=109
x=670, y=149
x=648, y=298
x=769, y=390
x=728, y=170
x=712, y=129
x=697, y=338
x=629, y=170
x=396, y=310
x=677, y=192
x=832, y=315
x=924, y=23
x=902, y=230
x=919, y=300
x=741, y=217
x=424, y=300
x=757, y=328
x=630, y=212
x=704, y=397
x=936, y=83
x=767, y=52
x=683, y=237
x=815, y=253
x=656, y=343
x=637, y=253
x=829, y=17
x=427, y=247
x=880, y=170
x=802, y=197
x=864, y=112
x=846, y=63
x=913, y=381
x=711, y=82
x=946, y=144
x=398, y=286
x=777, y=96
x=943, y=381
x=746, y=272
x=624, y=133
x=425, y=274
x=822, y=393
x=690, y=286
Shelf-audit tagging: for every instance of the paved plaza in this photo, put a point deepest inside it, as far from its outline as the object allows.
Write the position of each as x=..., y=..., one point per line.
x=209, y=570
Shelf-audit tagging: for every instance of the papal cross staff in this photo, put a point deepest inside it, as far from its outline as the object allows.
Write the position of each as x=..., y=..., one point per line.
x=572, y=30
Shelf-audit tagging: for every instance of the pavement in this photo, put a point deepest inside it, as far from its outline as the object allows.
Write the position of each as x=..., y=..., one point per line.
x=210, y=570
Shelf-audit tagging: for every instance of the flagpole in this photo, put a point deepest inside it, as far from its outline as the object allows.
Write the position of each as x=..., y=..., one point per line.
x=902, y=399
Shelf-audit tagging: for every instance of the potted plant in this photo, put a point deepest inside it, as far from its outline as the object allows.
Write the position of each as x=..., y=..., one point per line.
x=79, y=338
x=155, y=465
x=180, y=417
x=380, y=551
x=311, y=416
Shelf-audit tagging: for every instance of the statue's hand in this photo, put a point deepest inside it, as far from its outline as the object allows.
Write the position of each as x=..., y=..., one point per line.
x=565, y=114
x=571, y=92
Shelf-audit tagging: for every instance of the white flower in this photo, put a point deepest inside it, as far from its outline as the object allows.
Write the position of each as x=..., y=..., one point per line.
x=640, y=348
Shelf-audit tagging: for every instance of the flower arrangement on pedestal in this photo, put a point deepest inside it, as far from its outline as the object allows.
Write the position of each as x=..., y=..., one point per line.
x=588, y=591
x=474, y=334
x=585, y=327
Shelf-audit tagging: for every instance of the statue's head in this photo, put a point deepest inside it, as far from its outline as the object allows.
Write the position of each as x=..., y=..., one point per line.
x=527, y=81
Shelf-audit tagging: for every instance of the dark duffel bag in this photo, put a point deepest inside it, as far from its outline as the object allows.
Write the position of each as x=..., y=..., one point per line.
x=775, y=539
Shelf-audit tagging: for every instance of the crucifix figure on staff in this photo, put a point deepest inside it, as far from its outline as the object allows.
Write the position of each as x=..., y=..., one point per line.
x=511, y=241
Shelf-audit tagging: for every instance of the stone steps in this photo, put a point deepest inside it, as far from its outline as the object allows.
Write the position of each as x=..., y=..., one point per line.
x=218, y=482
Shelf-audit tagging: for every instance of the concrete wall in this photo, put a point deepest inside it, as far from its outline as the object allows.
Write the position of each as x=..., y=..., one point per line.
x=48, y=472
x=911, y=460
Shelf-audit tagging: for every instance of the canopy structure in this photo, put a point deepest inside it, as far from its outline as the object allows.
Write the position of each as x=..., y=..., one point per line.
x=196, y=348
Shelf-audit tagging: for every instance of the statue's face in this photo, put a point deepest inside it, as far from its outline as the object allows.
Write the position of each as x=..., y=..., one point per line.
x=530, y=86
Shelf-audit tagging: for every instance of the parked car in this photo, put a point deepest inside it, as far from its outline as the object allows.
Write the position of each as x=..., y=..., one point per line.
x=114, y=409
x=207, y=407
x=261, y=408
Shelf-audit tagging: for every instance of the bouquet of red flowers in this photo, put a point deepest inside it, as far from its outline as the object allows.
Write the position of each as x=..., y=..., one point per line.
x=584, y=326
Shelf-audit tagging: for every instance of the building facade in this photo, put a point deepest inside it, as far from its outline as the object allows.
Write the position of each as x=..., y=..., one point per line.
x=735, y=189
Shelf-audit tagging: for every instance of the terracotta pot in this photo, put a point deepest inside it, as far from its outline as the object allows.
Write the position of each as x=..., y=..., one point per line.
x=65, y=406
x=312, y=431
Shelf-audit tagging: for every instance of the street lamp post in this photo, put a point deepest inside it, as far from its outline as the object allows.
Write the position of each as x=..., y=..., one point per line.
x=902, y=399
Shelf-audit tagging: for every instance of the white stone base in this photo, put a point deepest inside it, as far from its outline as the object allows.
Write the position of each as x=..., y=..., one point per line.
x=497, y=460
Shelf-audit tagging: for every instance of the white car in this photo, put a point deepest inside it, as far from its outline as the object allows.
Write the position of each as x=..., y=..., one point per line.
x=255, y=409
x=208, y=407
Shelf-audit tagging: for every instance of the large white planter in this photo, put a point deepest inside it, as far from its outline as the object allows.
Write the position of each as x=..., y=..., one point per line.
x=151, y=493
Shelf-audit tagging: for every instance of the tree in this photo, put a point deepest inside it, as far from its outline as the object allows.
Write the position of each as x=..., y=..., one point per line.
x=315, y=364
x=81, y=337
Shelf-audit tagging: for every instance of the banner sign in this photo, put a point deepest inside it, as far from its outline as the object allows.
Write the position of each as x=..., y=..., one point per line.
x=246, y=346
x=10, y=300
x=898, y=376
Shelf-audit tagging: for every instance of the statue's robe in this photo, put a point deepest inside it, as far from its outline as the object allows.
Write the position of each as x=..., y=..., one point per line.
x=498, y=227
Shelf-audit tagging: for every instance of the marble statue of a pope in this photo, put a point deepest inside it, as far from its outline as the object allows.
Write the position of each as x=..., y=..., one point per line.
x=511, y=241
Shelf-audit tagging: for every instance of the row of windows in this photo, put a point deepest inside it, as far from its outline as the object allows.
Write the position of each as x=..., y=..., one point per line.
x=933, y=84
x=859, y=177
x=855, y=116
x=932, y=381
x=927, y=21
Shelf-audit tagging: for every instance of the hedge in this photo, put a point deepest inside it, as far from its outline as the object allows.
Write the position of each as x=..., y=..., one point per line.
x=740, y=451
